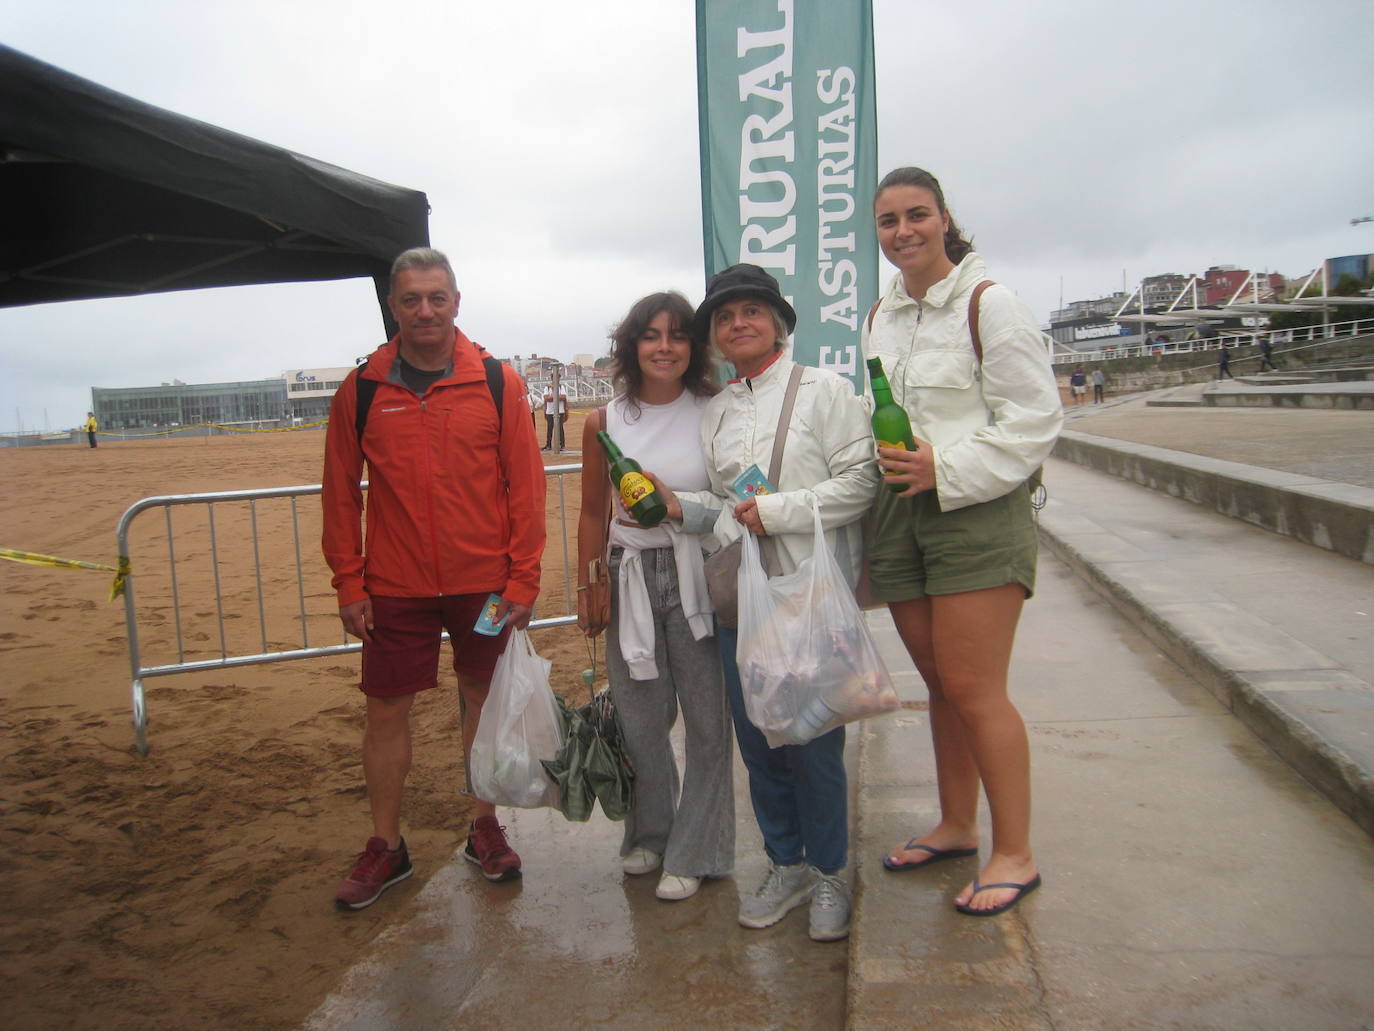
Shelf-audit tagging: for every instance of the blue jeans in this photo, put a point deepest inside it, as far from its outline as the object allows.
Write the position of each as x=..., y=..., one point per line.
x=800, y=792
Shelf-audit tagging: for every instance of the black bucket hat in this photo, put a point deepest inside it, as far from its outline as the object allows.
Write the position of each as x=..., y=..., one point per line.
x=740, y=281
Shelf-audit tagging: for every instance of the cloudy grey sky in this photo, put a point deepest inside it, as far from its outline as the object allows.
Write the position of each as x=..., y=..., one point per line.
x=1078, y=141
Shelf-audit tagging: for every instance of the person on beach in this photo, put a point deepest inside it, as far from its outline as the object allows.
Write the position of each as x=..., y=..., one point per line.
x=555, y=418
x=91, y=427
x=1266, y=348
x=1224, y=363
x=455, y=512
x=954, y=553
x=799, y=792
x=1099, y=383
x=661, y=651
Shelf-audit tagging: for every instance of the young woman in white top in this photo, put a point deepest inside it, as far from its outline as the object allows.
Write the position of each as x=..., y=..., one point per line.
x=660, y=647
x=953, y=553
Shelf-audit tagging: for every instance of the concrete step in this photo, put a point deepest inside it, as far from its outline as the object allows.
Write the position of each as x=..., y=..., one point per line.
x=1191, y=878
x=1336, y=516
x=1277, y=631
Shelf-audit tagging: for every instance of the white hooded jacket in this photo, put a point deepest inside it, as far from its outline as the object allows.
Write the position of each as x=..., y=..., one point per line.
x=990, y=426
x=829, y=455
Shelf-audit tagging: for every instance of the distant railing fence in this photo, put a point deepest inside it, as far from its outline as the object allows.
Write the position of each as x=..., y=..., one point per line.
x=243, y=556
x=1234, y=338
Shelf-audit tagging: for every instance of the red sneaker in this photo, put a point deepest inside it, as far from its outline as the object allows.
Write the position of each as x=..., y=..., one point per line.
x=376, y=870
x=488, y=848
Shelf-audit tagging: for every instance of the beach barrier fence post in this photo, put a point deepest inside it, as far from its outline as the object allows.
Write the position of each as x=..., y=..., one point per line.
x=140, y=672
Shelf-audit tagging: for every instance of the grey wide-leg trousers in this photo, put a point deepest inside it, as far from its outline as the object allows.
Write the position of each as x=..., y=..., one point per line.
x=694, y=832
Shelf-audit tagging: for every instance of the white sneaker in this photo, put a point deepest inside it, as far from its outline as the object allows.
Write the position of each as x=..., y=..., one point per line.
x=674, y=887
x=640, y=860
x=784, y=888
x=829, y=908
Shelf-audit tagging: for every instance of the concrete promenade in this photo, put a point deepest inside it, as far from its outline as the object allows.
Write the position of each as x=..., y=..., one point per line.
x=1177, y=668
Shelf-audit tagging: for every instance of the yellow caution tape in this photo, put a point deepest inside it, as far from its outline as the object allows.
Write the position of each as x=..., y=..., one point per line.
x=130, y=435
x=121, y=578
x=53, y=562
x=56, y=563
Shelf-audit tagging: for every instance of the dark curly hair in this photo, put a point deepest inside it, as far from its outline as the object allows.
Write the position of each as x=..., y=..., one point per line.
x=956, y=247
x=626, y=374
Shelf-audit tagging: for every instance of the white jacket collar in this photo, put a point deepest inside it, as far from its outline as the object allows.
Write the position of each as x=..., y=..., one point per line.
x=959, y=280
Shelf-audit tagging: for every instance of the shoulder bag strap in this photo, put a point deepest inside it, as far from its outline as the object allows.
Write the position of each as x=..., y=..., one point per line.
x=767, y=546
x=789, y=400
x=973, y=317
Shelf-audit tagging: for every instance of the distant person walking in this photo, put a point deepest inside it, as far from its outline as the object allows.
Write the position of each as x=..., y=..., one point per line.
x=1266, y=355
x=1078, y=385
x=555, y=415
x=1224, y=362
x=91, y=427
x=1099, y=381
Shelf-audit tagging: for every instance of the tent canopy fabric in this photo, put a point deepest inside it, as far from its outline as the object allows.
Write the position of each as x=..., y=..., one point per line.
x=106, y=196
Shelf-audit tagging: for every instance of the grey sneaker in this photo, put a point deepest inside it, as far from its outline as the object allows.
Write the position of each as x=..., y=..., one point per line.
x=783, y=890
x=829, y=908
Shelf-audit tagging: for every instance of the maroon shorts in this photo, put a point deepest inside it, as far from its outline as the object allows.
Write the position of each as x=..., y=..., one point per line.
x=403, y=657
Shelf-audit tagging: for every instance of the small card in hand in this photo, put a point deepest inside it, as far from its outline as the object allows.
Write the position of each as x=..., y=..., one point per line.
x=486, y=623
x=751, y=483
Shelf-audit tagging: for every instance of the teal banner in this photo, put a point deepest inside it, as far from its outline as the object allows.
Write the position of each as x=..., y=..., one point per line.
x=789, y=152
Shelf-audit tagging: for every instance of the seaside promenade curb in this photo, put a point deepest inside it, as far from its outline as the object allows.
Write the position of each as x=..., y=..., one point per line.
x=1336, y=516
x=1312, y=710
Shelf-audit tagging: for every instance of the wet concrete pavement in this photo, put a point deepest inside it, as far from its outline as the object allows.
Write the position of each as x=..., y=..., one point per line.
x=1193, y=879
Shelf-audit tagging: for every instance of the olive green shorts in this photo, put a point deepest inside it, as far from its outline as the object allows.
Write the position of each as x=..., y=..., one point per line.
x=915, y=550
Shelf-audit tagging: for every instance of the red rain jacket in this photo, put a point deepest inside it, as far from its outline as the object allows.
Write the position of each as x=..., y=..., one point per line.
x=455, y=499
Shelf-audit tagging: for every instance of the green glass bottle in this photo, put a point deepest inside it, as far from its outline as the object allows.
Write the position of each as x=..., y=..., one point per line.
x=891, y=427
x=637, y=492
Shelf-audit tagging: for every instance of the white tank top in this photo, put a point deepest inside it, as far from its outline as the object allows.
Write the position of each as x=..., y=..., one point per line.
x=665, y=440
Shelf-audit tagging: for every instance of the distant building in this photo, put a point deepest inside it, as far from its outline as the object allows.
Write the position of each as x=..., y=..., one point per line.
x=309, y=392
x=187, y=404
x=1161, y=291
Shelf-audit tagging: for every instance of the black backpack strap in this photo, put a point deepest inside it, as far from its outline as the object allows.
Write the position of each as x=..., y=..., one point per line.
x=496, y=383
x=367, y=389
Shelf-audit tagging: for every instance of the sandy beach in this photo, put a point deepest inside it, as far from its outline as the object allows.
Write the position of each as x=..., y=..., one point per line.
x=192, y=887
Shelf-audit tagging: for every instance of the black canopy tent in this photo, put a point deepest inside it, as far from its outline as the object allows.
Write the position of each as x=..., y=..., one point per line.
x=106, y=196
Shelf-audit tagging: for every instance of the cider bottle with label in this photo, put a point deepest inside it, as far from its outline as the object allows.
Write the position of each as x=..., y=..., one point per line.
x=891, y=427
x=637, y=492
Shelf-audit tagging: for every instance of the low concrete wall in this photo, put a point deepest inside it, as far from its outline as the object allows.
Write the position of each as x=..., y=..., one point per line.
x=1336, y=516
x=1327, y=400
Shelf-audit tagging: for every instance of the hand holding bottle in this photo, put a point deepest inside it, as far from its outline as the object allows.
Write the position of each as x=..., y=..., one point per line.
x=908, y=472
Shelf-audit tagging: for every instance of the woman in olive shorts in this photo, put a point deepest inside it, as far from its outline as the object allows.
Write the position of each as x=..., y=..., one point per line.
x=952, y=544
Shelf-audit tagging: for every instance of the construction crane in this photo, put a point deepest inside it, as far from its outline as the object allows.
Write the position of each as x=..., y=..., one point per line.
x=1362, y=218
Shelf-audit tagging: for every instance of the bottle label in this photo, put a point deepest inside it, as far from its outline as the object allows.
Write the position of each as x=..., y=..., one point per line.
x=634, y=487
x=899, y=445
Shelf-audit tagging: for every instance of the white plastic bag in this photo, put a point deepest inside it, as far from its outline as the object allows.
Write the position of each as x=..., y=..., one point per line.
x=807, y=663
x=519, y=727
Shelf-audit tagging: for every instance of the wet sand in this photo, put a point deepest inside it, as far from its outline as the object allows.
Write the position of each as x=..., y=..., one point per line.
x=192, y=887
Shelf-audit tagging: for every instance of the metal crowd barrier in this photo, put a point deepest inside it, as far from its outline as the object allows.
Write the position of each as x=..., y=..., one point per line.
x=249, y=551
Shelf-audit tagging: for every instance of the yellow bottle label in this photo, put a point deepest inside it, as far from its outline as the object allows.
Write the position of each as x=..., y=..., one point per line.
x=899, y=445
x=634, y=487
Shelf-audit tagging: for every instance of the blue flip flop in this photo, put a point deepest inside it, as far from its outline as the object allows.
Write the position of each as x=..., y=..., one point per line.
x=1022, y=890
x=936, y=855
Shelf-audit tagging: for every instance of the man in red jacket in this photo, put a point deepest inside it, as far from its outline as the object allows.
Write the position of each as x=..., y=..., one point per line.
x=455, y=512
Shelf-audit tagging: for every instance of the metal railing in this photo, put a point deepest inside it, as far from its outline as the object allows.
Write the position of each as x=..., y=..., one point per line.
x=1319, y=334
x=245, y=552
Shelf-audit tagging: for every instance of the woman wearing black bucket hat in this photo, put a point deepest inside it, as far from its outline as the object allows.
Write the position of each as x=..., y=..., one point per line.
x=798, y=791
